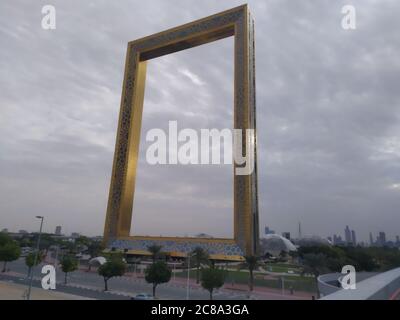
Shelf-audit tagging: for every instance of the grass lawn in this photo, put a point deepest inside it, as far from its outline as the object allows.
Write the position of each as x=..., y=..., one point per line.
x=282, y=267
x=242, y=277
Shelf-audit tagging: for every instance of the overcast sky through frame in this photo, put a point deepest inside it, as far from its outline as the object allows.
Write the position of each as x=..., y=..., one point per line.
x=327, y=103
x=192, y=94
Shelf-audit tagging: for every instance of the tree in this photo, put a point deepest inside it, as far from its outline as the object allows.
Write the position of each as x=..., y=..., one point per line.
x=155, y=251
x=9, y=251
x=113, y=268
x=199, y=256
x=294, y=255
x=30, y=261
x=283, y=256
x=4, y=238
x=362, y=259
x=314, y=263
x=251, y=263
x=68, y=264
x=157, y=273
x=25, y=242
x=95, y=248
x=81, y=244
x=268, y=255
x=46, y=241
x=212, y=278
x=82, y=241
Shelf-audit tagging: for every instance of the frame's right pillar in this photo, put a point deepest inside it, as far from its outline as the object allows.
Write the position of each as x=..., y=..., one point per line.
x=246, y=225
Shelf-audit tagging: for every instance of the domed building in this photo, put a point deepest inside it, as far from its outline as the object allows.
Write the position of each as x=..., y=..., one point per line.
x=274, y=244
x=312, y=241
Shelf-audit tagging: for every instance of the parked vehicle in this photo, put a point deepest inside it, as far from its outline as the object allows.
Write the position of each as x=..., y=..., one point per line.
x=143, y=296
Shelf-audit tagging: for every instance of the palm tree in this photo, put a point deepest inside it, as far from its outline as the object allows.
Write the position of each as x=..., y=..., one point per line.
x=314, y=263
x=294, y=255
x=251, y=263
x=155, y=251
x=200, y=256
x=282, y=255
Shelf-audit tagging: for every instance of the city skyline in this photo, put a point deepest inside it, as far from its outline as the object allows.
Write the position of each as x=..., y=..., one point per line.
x=264, y=230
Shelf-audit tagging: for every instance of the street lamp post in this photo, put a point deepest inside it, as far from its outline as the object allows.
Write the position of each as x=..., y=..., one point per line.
x=36, y=257
x=188, y=277
x=55, y=259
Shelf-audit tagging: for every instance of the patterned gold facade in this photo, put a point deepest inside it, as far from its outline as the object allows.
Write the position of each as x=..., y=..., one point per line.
x=236, y=22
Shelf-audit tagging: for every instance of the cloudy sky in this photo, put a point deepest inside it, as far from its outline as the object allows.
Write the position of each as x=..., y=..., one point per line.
x=328, y=112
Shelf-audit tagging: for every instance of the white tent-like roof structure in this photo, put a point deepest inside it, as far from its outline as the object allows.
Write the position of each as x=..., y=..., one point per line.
x=274, y=244
x=98, y=261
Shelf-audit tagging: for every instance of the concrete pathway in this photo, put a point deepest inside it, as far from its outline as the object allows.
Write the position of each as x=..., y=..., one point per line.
x=14, y=291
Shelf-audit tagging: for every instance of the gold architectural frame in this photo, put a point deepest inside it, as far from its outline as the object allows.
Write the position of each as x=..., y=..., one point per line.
x=235, y=22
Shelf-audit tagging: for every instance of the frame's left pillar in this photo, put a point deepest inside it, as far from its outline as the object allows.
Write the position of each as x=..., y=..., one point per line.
x=122, y=187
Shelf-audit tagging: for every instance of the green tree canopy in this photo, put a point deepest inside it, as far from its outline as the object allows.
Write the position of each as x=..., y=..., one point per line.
x=83, y=240
x=113, y=268
x=4, y=238
x=46, y=240
x=157, y=273
x=363, y=259
x=316, y=264
x=95, y=248
x=212, y=278
x=68, y=264
x=30, y=260
x=25, y=242
x=9, y=251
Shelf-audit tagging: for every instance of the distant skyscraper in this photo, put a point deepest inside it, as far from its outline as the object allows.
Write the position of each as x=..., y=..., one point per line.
x=382, y=238
x=337, y=240
x=397, y=239
x=299, y=230
x=58, y=231
x=353, y=238
x=267, y=230
x=347, y=235
x=371, y=240
x=286, y=235
x=75, y=235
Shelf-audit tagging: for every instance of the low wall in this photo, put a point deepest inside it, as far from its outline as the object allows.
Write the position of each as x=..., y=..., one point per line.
x=383, y=286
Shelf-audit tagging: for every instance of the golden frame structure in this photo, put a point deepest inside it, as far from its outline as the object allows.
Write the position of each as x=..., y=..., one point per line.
x=236, y=22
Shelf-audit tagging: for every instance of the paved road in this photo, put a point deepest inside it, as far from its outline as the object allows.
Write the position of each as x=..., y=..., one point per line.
x=92, y=285
x=11, y=290
x=88, y=293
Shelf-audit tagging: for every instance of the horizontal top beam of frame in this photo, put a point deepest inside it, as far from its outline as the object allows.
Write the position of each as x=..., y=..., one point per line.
x=188, y=43
x=212, y=28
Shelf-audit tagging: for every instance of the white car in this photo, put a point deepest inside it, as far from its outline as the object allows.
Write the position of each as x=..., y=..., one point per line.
x=143, y=296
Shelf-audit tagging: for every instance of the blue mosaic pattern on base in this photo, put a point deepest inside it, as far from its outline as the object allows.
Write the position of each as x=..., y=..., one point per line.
x=228, y=249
